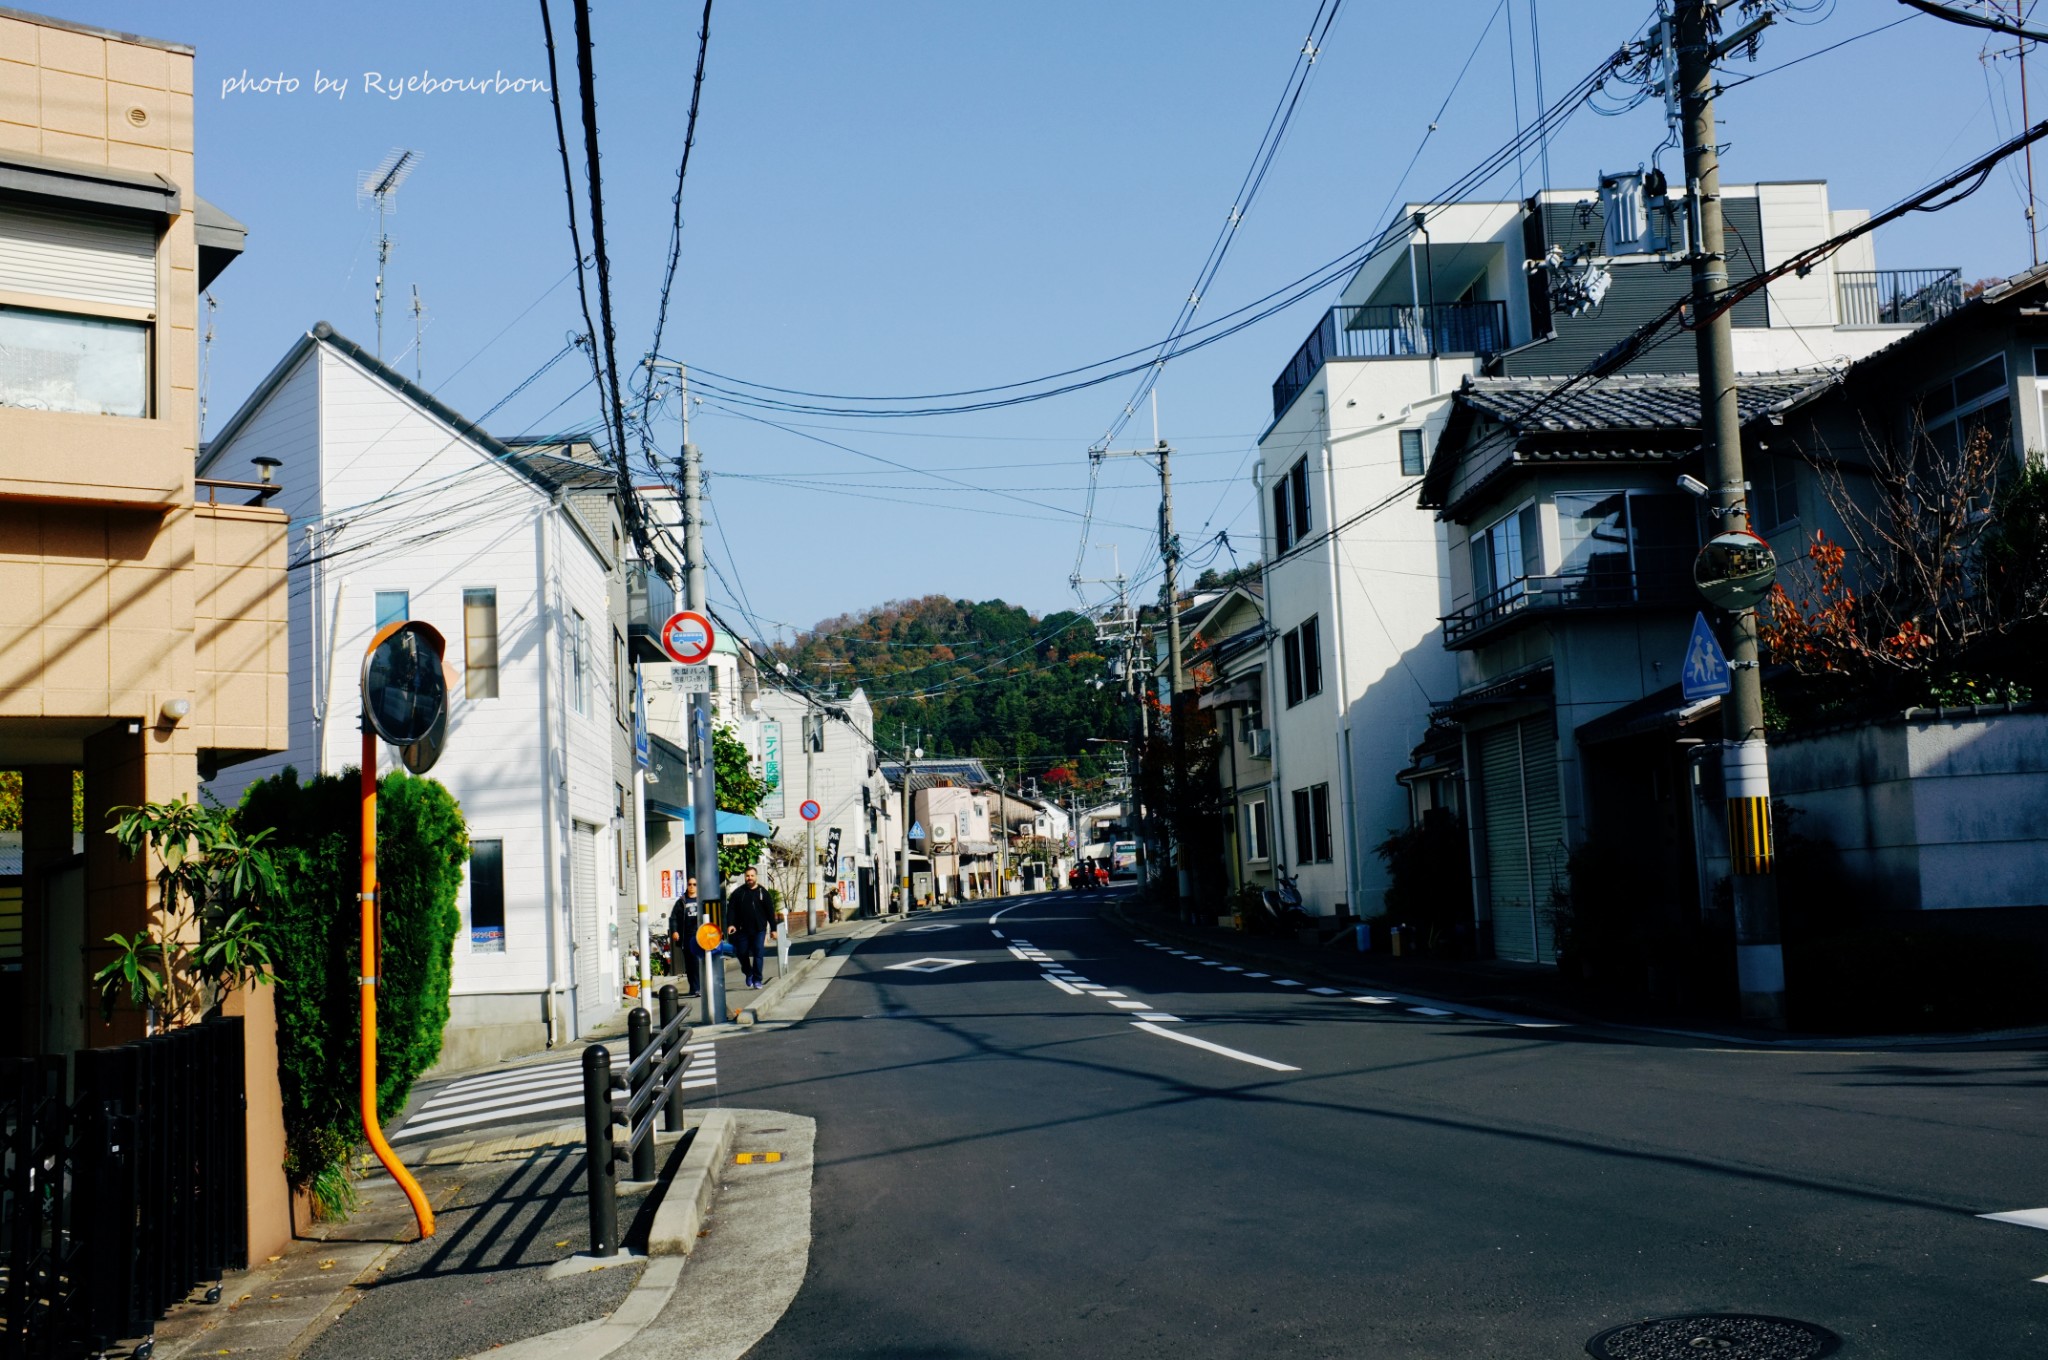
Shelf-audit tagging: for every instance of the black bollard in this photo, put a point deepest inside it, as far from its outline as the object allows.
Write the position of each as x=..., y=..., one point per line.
x=601, y=1174
x=672, y=1108
x=639, y=1038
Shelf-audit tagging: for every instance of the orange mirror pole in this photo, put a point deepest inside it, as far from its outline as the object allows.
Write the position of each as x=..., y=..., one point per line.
x=372, y=950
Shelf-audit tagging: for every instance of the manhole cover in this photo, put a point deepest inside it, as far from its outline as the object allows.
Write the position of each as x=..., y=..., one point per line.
x=1726, y=1336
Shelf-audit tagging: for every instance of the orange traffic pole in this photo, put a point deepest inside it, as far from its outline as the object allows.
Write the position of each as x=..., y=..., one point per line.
x=372, y=950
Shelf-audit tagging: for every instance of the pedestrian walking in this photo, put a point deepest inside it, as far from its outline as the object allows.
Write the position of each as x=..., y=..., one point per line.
x=749, y=919
x=683, y=919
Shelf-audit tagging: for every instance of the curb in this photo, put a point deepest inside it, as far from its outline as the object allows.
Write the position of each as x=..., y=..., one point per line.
x=680, y=1215
x=768, y=996
x=1113, y=913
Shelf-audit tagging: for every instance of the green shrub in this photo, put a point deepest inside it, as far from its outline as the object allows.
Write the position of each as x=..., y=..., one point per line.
x=316, y=949
x=1429, y=890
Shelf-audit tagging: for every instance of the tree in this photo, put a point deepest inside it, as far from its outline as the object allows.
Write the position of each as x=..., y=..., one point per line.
x=739, y=790
x=787, y=873
x=213, y=882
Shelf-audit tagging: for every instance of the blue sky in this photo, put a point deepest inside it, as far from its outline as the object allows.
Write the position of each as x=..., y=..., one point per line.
x=909, y=197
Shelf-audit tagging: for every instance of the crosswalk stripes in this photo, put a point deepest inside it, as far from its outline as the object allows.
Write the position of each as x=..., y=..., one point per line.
x=537, y=1091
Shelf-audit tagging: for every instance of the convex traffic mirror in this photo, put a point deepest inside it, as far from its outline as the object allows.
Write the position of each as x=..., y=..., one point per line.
x=1734, y=570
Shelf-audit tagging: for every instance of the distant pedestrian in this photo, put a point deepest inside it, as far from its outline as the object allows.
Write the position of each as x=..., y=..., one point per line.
x=683, y=920
x=749, y=919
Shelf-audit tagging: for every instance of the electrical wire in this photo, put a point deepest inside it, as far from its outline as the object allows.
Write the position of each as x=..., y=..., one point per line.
x=593, y=175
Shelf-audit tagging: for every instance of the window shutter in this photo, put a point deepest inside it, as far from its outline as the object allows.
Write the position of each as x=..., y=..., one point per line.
x=77, y=259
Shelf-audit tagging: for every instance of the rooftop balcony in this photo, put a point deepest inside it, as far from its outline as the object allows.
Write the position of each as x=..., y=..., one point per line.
x=1399, y=331
x=1897, y=297
x=1659, y=579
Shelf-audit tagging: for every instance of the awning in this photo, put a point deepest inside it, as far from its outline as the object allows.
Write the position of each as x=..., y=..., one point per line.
x=1245, y=691
x=1667, y=710
x=60, y=183
x=729, y=823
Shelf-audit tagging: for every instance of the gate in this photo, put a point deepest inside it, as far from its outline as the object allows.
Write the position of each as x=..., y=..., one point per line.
x=120, y=1197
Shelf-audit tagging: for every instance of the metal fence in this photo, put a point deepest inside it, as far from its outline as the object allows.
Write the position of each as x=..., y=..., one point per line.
x=1660, y=578
x=1392, y=332
x=1898, y=297
x=651, y=1086
x=121, y=1195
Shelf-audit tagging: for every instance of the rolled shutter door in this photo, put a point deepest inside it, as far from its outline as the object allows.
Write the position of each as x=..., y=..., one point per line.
x=78, y=259
x=1507, y=859
x=1544, y=811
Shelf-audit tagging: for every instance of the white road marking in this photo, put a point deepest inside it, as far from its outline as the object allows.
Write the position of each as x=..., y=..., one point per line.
x=1160, y=1016
x=1258, y=975
x=1132, y=1005
x=1189, y=1039
x=538, y=1089
x=1104, y=994
x=1070, y=991
x=1020, y=953
x=1285, y=982
x=927, y=965
x=1232, y=968
x=1538, y=1024
x=997, y=933
x=1377, y=1000
x=1012, y=907
x=1326, y=991
x=1428, y=1010
x=2026, y=1218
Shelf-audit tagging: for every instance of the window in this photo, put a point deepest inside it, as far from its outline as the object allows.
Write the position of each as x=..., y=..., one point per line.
x=1975, y=399
x=393, y=606
x=480, y=643
x=579, y=663
x=1301, y=656
x=487, y=897
x=1774, y=501
x=1411, y=453
x=1312, y=824
x=1257, y=848
x=1613, y=541
x=1290, y=507
x=82, y=364
x=88, y=350
x=1506, y=553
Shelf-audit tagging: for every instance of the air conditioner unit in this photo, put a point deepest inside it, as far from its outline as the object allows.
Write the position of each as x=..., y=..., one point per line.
x=1260, y=739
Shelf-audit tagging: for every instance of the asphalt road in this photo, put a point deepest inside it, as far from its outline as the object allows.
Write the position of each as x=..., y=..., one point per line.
x=1010, y=1166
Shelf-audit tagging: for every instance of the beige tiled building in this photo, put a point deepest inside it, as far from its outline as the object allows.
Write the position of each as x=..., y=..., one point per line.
x=142, y=613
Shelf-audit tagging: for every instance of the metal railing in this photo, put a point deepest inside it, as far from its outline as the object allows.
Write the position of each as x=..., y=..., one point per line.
x=1392, y=332
x=651, y=1085
x=117, y=1202
x=1897, y=297
x=1665, y=582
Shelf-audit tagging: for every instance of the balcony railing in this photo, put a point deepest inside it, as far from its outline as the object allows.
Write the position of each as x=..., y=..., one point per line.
x=1394, y=332
x=1659, y=578
x=1898, y=297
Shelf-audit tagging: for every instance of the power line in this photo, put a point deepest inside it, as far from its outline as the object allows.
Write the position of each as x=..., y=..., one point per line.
x=675, y=226
x=594, y=180
x=547, y=28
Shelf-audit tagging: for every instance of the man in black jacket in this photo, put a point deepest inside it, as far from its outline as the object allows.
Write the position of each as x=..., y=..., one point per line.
x=749, y=920
x=683, y=919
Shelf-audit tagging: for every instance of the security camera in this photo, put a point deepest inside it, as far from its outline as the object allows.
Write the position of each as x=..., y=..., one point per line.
x=1692, y=486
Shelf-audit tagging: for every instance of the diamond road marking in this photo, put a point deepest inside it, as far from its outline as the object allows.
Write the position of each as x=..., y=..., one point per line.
x=1428, y=1010
x=1232, y=968
x=1285, y=982
x=927, y=965
x=1258, y=975
x=1326, y=991
x=920, y=930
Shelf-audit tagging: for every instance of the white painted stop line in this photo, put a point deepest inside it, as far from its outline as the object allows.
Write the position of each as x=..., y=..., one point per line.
x=1180, y=1038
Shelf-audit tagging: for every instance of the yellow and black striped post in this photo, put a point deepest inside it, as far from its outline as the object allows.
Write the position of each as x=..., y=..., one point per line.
x=1749, y=835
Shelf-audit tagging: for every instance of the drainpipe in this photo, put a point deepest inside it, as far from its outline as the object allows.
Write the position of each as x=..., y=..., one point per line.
x=1346, y=796
x=545, y=613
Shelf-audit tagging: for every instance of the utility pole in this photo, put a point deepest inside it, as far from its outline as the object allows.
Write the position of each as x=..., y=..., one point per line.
x=1745, y=765
x=814, y=741
x=910, y=754
x=704, y=767
x=1002, y=829
x=1161, y=455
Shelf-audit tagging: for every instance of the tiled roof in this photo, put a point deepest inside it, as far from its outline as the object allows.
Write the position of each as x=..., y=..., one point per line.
x=1636, y=401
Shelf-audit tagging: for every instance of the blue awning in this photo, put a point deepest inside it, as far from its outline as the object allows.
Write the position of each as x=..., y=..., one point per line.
x=729, y=823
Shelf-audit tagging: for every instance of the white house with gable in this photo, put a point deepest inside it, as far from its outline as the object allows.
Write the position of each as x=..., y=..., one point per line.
x=403, y=509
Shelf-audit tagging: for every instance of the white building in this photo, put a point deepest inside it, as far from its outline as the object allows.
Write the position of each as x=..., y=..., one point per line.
x=403, y=509
x=1357, y=575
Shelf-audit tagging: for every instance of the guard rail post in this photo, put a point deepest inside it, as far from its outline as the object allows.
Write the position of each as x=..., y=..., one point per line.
x=639, y=1034
x=597, y=1151
x=671, y=1006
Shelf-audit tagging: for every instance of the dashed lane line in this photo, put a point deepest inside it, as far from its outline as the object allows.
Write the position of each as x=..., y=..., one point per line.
x=1146, y=1023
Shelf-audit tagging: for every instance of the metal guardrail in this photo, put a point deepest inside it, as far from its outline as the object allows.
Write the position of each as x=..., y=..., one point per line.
x=1897, y=297
x=651, y=1086
x=1392, y=332
x=117, y=1202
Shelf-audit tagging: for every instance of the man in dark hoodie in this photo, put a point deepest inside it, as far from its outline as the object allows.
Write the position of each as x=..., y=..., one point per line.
x=749, y=920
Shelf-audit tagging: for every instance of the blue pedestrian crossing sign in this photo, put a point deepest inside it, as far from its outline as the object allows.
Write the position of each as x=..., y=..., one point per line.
x=917, y=831
x=1705, y=673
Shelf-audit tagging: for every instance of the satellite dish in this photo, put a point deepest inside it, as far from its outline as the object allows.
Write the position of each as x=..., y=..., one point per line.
x=1735, y=570
x=405, y=695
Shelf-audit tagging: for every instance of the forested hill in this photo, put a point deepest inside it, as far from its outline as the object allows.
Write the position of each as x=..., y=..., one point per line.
x=989, y=680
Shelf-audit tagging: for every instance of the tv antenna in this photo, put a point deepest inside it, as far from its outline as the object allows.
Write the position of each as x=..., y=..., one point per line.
x=381, y=186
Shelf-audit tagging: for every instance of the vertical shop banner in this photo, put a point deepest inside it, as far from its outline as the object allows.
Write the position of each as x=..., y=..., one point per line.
x=771, y=768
